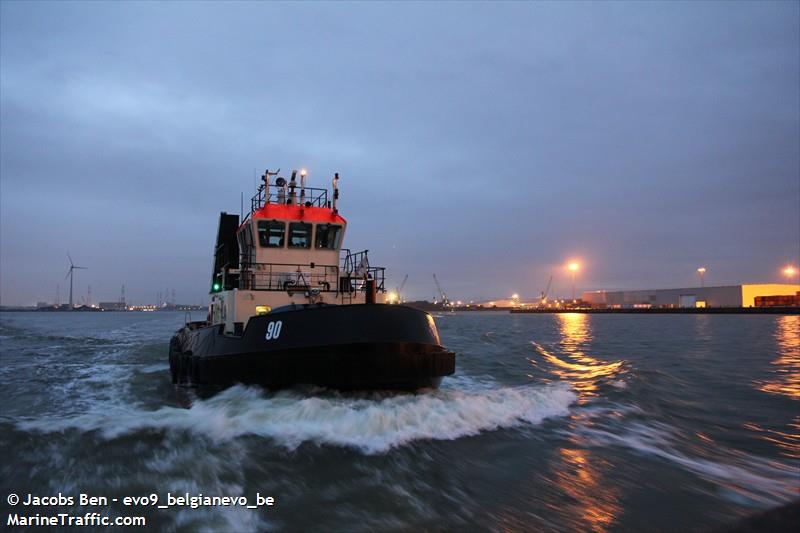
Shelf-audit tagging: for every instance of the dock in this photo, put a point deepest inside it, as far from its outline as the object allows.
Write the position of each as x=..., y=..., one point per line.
x=788, y=310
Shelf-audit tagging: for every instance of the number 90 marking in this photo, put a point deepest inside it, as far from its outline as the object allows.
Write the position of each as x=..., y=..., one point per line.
x=273, y=330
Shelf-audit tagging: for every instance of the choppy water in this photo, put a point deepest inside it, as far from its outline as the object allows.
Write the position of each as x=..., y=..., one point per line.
x=564, y=422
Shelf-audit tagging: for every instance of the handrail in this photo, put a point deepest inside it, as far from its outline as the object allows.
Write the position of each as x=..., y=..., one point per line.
x=286, y=276
x=273, y=194
x=325, y=277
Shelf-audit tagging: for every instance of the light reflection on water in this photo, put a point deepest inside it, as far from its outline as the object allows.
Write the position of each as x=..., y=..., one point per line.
x=788, y=442
x=582, y=477
x=786, y=380
x=575, y=366
x=582, y=473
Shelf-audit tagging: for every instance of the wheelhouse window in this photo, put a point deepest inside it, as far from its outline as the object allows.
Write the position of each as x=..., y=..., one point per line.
x=271, y=233
x=328, y=236
x=299, y=235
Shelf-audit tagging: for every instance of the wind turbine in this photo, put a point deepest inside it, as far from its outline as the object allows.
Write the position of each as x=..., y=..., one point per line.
x=69, y=275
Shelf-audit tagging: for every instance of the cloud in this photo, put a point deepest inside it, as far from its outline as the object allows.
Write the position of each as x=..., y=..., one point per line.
x=486, y=142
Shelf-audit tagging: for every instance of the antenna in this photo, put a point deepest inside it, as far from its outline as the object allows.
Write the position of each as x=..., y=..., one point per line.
x=292, y=186
x=302, y=187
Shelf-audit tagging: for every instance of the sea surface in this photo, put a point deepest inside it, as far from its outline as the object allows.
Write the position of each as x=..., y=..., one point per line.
x=567, y=422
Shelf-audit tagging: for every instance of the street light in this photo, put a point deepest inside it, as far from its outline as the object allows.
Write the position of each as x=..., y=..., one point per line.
x=573, y=269
x=702, y=272
x=790, y=271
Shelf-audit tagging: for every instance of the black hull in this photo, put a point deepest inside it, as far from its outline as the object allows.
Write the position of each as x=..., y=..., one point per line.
x=343, y=347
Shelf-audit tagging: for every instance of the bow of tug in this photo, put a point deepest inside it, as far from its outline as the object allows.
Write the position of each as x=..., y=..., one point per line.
x=366, y=346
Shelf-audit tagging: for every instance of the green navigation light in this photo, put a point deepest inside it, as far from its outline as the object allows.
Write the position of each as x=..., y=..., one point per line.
x=215, y=287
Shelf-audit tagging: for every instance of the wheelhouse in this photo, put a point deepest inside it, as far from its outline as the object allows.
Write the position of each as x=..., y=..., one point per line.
x=288, y=251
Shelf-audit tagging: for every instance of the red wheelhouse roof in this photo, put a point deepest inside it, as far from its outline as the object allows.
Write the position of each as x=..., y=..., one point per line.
x=298, y=212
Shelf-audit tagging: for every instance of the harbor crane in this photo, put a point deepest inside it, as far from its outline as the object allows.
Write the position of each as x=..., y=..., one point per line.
x=399, y=290
x=543, y=297
x=445, y=301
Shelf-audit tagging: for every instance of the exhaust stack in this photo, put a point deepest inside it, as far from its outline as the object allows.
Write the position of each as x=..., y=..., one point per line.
x=335, y=191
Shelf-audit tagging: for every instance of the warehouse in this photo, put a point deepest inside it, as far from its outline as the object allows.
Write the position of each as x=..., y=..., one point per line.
x=725, y=296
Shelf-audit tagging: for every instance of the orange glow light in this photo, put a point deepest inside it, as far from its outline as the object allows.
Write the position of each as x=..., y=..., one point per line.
x=573, y=267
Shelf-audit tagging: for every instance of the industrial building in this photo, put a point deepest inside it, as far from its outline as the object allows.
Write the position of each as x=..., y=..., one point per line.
x=725, y=296
x=112, y=306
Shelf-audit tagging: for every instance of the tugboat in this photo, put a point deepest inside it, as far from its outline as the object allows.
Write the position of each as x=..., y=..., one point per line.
x=290, y=306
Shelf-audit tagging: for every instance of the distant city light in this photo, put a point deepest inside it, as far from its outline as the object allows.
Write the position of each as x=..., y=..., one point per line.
x=515, y=296
x=790, y=271
x=702, y=270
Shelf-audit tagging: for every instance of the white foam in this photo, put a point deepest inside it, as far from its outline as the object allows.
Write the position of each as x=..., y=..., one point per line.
x=151, y=369
x=470, y=384
x=371, y=423
x=741, y=476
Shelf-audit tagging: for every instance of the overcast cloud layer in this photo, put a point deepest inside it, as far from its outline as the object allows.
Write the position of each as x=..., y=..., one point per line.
x=488, y=143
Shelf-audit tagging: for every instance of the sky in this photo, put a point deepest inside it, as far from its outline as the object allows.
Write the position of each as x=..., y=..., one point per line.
x=489, y=143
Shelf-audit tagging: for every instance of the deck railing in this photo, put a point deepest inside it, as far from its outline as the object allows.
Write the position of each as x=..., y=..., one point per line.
x=309, y=197
x=355, y=265
x=351, y=277
x=289, y=277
